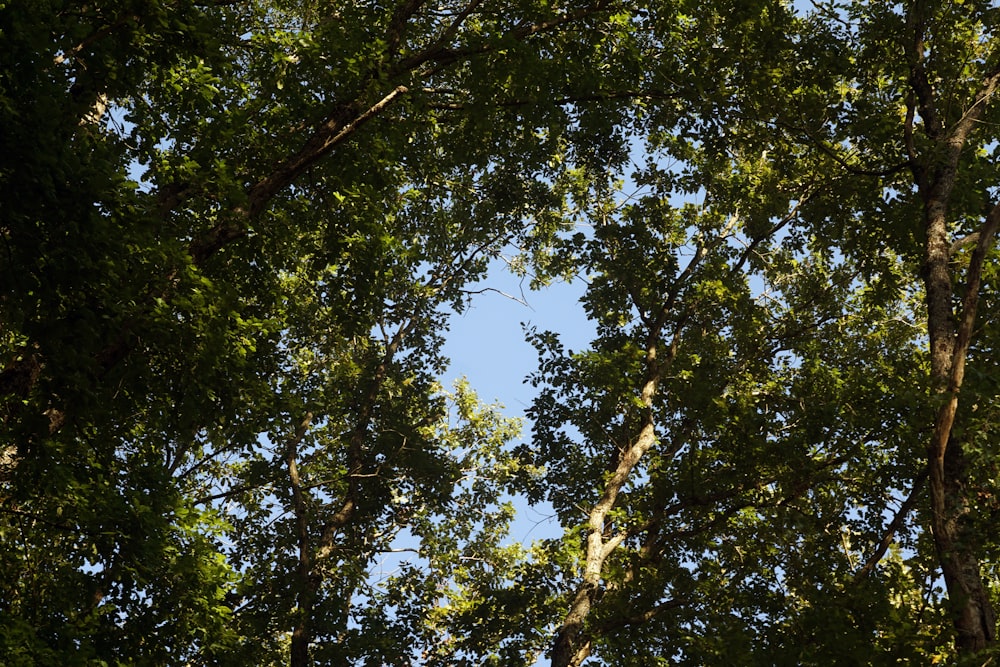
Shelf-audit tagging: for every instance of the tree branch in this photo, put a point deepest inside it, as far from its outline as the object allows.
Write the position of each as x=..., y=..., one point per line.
x=301, y=634
x=344, y=122
x=894, y=527
x=397, y=24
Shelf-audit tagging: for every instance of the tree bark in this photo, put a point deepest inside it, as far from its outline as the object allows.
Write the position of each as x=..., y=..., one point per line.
x=301, y=633
x=935, y=174
x=972, y=613
x=957, y=545
x=573, y=643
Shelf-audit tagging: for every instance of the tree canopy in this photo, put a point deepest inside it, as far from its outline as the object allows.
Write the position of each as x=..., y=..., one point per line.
x=235, y=232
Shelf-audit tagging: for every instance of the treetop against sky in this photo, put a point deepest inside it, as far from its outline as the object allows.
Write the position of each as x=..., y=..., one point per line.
x=240, y=240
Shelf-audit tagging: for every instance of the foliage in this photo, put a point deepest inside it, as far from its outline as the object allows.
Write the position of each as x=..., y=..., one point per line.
x=234, y=234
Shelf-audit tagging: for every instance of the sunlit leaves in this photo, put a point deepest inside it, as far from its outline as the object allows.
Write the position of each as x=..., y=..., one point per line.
x=219, y=218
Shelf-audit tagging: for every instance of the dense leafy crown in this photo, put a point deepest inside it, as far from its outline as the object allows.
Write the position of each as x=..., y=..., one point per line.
x=234, y=232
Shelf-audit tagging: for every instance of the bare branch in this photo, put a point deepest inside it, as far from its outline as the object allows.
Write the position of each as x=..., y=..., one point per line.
x=921, y=86
x=958, y=244
x=41, y=519
x=894, y=527
x=642, y=617
x=438, y=53
x=93, y=37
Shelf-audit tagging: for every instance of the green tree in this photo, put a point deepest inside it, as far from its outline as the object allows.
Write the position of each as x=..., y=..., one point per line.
x=234, y=232
x=914, y=126
x=815, y=155
x=219, y=219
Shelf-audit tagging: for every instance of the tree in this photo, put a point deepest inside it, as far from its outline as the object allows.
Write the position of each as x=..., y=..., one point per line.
x=948, y=120
x=915, y=126
x=841, y=142
x=219, y=219
x=233, y=233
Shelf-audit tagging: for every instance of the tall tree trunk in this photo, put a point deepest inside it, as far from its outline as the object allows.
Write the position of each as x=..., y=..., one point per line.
x=573, y=643
x=956, y=542
x=301, y=633
x=957, y=546
x=935, y=173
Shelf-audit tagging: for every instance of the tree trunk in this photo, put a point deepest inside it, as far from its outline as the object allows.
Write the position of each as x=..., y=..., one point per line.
x=301, y=633
x=972, y=613
x=956, y=543
x=572, y=642
x=935, y=174
x=571, y=645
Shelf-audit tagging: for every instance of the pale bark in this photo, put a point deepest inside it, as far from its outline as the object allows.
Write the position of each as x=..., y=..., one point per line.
x=573, y=643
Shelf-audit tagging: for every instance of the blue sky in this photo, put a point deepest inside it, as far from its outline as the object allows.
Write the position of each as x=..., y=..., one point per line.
x=486, y=345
